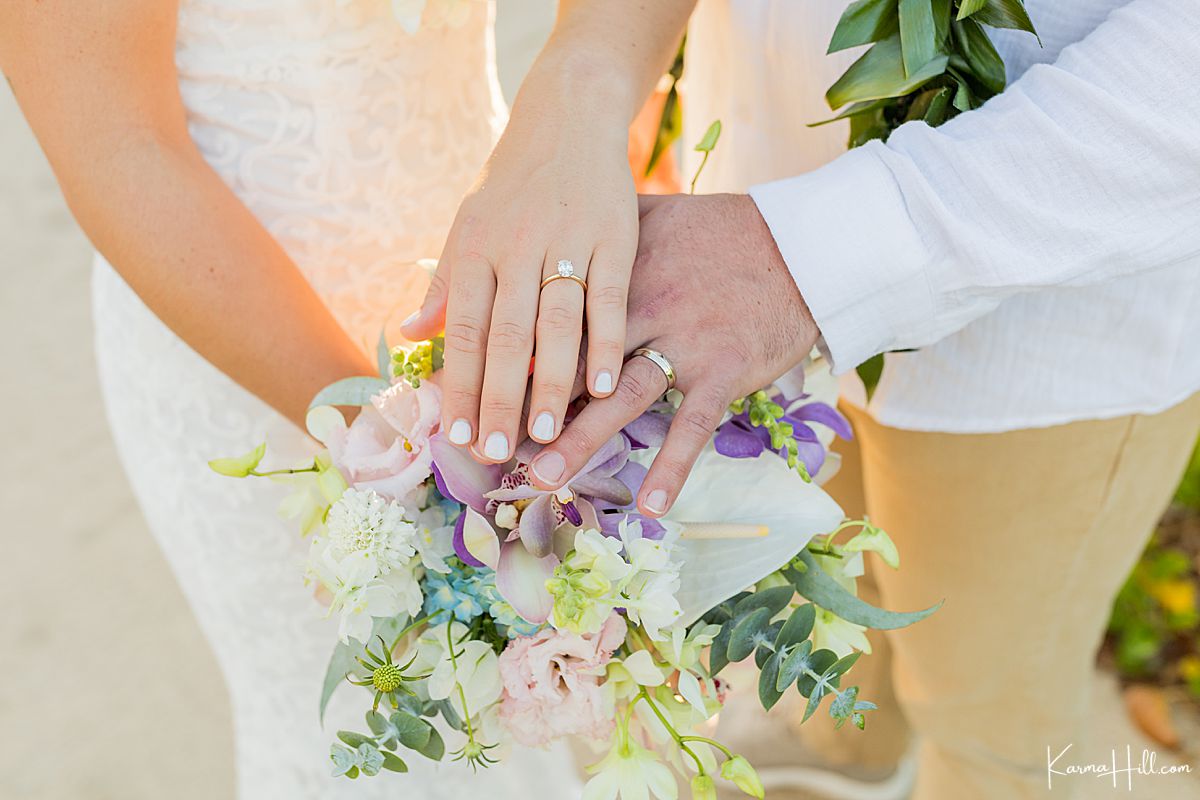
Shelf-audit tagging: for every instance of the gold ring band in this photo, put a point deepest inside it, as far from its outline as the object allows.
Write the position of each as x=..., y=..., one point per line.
x=547, y=281
x=564, y=271
x=660, y=361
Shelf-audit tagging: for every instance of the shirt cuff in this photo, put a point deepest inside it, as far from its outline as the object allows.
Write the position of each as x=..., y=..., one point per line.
x=846, y=237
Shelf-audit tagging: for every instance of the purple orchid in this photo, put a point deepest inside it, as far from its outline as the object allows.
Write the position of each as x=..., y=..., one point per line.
x=738, y=438
x=599, y=496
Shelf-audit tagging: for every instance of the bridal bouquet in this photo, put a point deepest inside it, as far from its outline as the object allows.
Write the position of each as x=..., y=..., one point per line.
x=479, y=611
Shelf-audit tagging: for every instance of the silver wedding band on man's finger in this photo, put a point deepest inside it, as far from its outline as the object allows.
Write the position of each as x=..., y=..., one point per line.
x=659, y=360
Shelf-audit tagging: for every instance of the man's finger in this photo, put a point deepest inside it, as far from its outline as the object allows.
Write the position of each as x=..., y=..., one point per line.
x=693, y=426
x=641, y=384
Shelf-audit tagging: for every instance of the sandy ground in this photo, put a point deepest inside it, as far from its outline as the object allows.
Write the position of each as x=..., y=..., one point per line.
x=107, y=690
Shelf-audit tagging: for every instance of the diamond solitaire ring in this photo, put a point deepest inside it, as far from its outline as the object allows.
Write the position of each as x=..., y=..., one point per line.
x=565, y=270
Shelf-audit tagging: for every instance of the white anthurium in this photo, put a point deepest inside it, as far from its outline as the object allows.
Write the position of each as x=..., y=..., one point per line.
x=744, y=494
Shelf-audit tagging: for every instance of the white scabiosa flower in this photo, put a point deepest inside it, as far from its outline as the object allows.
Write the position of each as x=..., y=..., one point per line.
x=367, y=562
x=362, y=522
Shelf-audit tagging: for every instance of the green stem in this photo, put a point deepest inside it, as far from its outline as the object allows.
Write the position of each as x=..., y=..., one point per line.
x=258, y=474
x=679, y=740
x=699, y=169
x=713, y=742
x=462, y=695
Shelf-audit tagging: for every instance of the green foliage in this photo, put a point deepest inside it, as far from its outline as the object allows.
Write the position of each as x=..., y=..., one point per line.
x=929, y=61
x=1188, y=493
x=1154, y=630
x=670, y=123
x=419, y=362
x=813, y=583
x=765, y=413
x=349, y=392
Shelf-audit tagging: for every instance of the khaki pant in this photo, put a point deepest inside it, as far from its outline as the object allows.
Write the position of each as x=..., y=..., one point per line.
x=1027, y=536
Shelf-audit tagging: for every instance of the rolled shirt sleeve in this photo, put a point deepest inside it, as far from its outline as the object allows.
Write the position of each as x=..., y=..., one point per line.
x=1082, y=171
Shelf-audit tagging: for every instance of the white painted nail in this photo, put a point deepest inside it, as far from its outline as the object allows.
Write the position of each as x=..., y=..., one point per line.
x=460, y=431
x=656, y=501
x=603, y=383
x=543, y=427
x=496, y=446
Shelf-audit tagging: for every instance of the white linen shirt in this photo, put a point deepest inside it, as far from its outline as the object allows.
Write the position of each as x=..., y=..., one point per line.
x=1042, y=252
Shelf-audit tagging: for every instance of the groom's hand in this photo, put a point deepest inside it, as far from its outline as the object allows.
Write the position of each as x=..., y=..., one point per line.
x=711, y=293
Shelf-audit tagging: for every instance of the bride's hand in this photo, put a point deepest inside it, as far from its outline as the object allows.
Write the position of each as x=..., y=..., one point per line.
x=557, y=188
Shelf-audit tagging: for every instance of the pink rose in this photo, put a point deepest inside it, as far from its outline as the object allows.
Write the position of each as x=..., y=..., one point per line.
x=386, y=448
x=552, y=683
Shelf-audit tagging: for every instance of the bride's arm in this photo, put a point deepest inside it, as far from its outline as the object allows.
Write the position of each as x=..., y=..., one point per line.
x=97, y=83
x=557, y=187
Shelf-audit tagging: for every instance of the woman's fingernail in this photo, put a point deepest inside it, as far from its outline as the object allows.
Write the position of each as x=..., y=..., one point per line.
x=496, y=446
x=460, y=431
x=656, y=501
x=543, y=427
x=603, y=384
x=549, y=467
x=411, y=318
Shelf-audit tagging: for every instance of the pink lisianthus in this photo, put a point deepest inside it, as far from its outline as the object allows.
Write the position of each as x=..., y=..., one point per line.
x=386, y=448
x=552, y=683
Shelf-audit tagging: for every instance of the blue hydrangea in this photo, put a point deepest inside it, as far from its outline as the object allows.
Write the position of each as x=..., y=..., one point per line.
x=467, y=593
x=462, y=591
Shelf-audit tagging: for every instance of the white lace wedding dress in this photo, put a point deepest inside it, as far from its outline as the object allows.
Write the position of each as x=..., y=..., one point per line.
x=352, y=141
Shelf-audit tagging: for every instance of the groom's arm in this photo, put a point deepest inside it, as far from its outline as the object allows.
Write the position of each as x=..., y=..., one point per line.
x=1082, y=171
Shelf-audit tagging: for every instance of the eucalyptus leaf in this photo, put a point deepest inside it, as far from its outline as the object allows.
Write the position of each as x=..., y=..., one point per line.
x=718, y=657
x=768, y=691
x=775, y=599
x=393, y=762
x=354, y=739
x=413, y=732
x=794, y=665
x=864, y=22
x=349, y=392
x=435, y=748
x=818, y=662
x=743, y=639
x=880, y=73
x=918, y=34
x=798, y=626
x=815, y=584
x=766, y=643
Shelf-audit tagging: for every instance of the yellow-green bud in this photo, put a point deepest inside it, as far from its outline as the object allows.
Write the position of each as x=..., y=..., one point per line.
x=738, y=770
x=703, y=788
